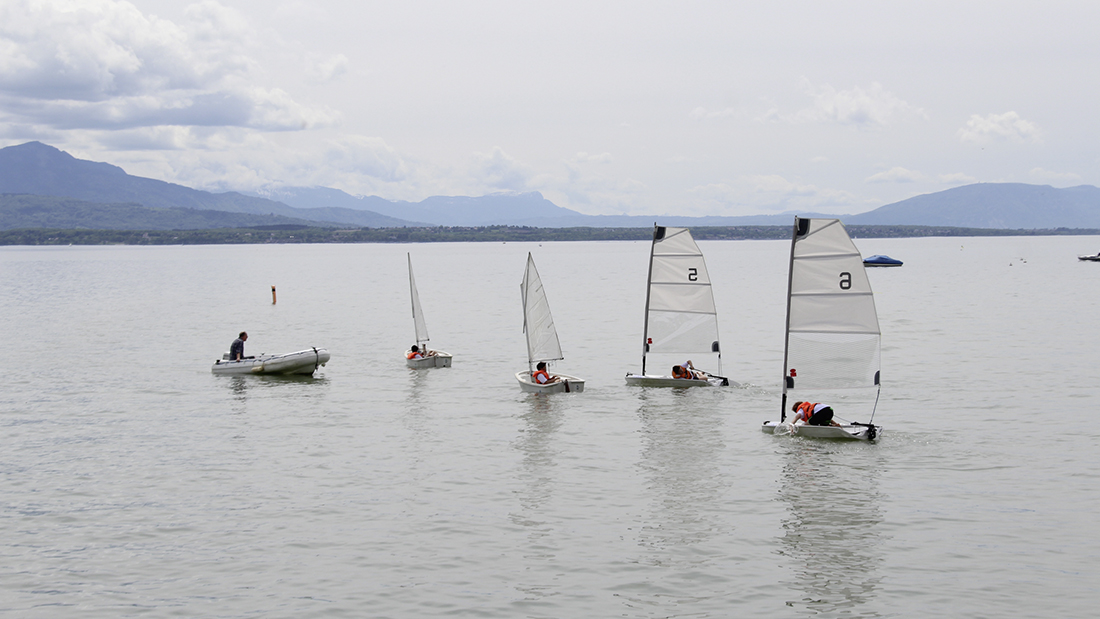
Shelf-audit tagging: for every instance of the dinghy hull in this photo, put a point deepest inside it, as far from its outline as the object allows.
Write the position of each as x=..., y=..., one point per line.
x=647, y=380
x=567, y=384
x=440, y=359
x=303, y=362
x=859, y=433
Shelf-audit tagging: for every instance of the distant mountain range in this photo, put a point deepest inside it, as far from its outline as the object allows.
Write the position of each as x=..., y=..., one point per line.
x=87, y=194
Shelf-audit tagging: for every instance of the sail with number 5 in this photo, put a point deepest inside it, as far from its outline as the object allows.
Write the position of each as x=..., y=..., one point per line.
x=681, y=321
x=833, y=340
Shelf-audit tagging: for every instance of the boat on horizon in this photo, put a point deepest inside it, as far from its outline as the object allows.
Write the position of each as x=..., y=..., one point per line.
x=881, y=261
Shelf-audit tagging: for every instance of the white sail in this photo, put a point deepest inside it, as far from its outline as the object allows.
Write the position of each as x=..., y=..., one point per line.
x=418, y=314
x=833, y=338
x=680, y=314
x=538, y=324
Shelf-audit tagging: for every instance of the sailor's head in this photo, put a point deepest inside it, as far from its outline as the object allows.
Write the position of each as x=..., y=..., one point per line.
x=243, y=335
x=795, y=407
x=415, y=348
x=541, y=365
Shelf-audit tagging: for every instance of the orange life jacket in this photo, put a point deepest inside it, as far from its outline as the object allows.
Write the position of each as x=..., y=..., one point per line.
x=535, y=375
x=805, y=411
x=680, y=371
x=414, y=355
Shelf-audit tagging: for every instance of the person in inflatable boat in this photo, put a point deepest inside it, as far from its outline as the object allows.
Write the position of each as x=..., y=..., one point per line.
x=813, y=414
x=236, y=349
x=541, y=376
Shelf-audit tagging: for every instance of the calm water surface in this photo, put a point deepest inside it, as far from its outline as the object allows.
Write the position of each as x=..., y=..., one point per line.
x=134, y=482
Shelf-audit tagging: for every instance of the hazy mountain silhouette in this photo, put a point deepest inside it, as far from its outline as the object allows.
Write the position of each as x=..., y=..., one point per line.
x=993, y=205
x=38, y=169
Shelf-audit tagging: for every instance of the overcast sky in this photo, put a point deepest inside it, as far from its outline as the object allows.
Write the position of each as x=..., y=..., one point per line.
x=643, y=108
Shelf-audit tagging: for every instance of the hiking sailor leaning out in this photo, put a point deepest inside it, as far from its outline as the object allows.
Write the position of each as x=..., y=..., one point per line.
x=813, y=414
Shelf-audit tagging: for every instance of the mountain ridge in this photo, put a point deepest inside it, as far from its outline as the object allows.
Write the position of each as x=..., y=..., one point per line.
x=39, y=169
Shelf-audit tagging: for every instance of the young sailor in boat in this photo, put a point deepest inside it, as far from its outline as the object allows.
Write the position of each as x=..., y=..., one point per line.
x=687, y=370
x=414, y=353
x=813, y=414
x=236, y=349
x=541, y=376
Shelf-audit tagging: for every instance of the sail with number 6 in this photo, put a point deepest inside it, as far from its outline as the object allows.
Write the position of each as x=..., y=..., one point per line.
x=833, y=341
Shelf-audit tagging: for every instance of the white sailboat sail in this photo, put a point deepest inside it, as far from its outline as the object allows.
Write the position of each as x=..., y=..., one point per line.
x=418, y=314
x=538, y=324
x=833, y=339
x=680, y=316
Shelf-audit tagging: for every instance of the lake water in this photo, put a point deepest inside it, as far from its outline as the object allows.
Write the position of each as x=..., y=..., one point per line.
x=134, y=482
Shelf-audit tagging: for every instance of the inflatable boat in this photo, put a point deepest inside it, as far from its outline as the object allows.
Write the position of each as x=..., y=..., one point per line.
x=303, y=362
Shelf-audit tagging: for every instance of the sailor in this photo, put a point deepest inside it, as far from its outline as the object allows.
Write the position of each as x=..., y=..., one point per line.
x=236, y=349
x=687, y=370
x=813, y=414
x=541, y=376
x=414, y=353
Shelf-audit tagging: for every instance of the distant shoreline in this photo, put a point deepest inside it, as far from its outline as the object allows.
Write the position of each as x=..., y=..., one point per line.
x=484, y=234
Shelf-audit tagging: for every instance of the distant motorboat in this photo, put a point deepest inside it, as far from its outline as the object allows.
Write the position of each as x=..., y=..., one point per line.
x=881, y=261
x=1090, y=258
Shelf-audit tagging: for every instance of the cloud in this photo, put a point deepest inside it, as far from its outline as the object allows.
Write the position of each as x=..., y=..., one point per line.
x=330, y=68
x=896, y=175
x=771, y=192
x=583, y=157
x=1047, y=176
x=999, y=127
x=701, y=113
x=102, y=64
x=957, y=178
x=868, y=108
x=497, y=171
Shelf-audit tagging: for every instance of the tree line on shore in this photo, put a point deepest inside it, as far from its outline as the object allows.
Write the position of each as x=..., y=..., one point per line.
x=449, y=234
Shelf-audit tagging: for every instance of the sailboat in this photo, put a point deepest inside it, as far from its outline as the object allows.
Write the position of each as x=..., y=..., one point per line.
x=542, y=337
x=680, y=317
x=429, y=358
x=833, y=340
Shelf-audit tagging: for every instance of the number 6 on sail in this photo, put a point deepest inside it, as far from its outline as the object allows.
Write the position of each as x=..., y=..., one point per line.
x=833, y=340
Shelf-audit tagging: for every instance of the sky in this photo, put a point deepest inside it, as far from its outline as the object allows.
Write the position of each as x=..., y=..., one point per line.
x=605, y=107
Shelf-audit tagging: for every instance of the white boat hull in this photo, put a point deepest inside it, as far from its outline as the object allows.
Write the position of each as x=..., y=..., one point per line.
x=647, y=380
x=439, y=360
x=567, y=384
x=304, y=362
x=861, y=432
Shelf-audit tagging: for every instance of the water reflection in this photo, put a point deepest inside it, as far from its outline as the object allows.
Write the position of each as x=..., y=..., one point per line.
x=540, y=422
x=682, y=440
x=536, y=475
x=242, y=388
x=832, y=532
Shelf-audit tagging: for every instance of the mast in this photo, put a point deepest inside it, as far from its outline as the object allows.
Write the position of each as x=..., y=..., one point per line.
x=801, y=227
x=658, y=234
